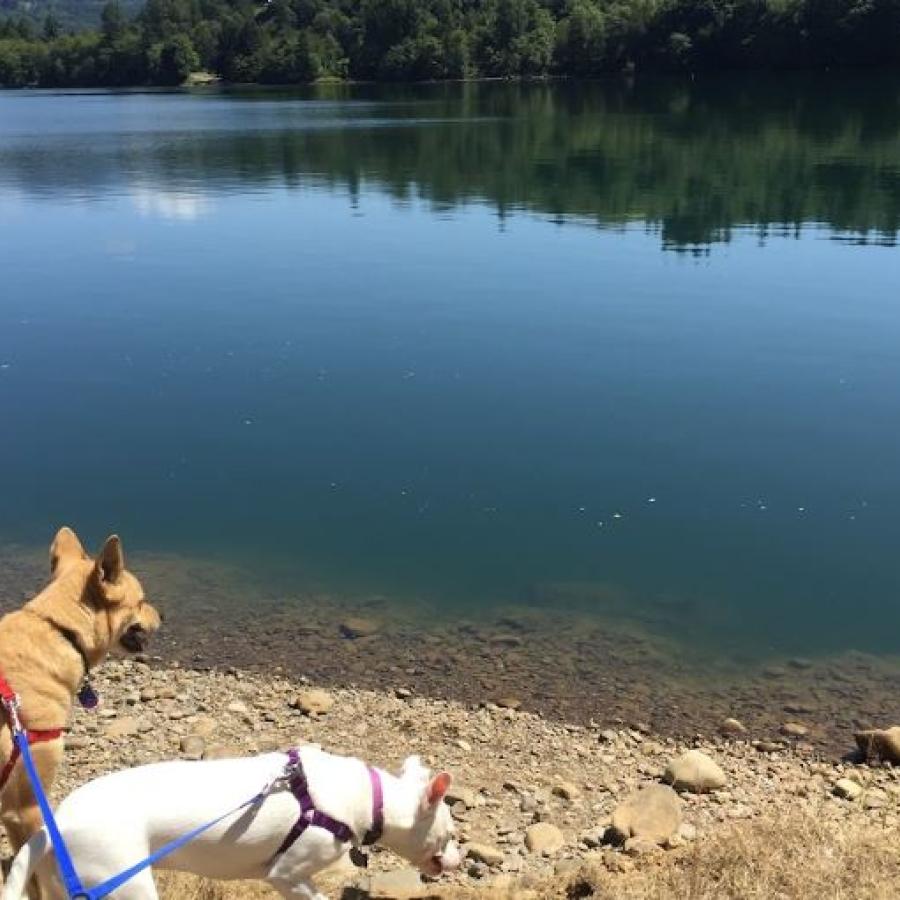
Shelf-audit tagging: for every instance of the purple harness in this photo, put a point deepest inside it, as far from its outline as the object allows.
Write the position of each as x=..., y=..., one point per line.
x=309, y=815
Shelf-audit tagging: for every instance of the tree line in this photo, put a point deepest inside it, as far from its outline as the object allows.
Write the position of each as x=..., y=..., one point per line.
x=295, y=41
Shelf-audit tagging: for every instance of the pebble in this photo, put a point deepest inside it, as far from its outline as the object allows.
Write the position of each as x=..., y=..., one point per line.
x=193, y=746
x=508, y=702
x=848, y=789
x=567, y=790
x=122, y=728
x=400, y=884
x=484, y=853
x=542, y=837
x=732, y=727
x=459, y=794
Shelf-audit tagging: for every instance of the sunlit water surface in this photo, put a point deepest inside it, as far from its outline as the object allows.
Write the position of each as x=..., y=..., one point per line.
x=625, y=348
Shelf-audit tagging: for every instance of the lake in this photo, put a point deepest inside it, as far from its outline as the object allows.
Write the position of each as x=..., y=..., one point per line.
x=628, y=349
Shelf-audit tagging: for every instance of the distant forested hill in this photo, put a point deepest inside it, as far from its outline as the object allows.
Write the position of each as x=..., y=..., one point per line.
x=289, y=41
x=73, y=15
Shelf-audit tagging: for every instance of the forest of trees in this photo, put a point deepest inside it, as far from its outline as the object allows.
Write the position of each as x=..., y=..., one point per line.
x=291, y=41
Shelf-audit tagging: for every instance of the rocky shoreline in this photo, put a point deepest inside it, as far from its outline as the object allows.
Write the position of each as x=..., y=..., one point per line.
x=536, y=801
x=567, y=665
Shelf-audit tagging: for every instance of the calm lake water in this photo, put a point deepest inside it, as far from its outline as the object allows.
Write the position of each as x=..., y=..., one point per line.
x=631, y=347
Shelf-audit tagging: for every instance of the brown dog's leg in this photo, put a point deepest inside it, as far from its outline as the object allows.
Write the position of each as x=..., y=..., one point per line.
x=21, y=814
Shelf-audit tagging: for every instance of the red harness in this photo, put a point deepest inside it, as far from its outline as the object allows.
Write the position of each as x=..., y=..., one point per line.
x=9, y=700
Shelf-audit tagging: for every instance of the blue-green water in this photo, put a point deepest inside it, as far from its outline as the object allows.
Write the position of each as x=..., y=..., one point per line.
x=471, y=345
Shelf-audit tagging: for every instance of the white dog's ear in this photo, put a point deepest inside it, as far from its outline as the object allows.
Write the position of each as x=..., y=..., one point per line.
x=110, y=564
x=65, y=546
x=437, y=789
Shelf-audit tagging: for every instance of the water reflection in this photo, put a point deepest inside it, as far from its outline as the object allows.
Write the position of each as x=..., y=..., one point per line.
x=692, y=160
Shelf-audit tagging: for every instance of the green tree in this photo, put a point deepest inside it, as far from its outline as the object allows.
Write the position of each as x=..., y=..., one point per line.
x=52, y=27
x=169, y=62
x=581, y=39
x=113, y=21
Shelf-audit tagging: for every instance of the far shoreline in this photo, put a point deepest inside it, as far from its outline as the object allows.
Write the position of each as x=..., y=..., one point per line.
x=204, y=79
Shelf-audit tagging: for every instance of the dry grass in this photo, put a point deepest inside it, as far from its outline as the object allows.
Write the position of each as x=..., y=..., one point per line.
x=774, y=860
x=768, y=860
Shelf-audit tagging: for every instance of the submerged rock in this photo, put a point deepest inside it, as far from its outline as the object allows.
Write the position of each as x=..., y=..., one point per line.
x=358, y=627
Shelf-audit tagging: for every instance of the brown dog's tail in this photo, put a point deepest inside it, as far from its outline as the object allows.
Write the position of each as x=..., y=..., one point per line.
x=27, y=860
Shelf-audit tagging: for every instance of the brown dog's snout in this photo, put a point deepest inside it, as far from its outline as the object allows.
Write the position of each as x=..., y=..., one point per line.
x=135, y=638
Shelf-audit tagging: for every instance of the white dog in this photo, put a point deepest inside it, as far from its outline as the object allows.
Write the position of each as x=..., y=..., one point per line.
x=319, y=804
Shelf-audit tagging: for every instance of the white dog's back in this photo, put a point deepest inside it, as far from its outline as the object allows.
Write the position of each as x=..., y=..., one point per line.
x=117, y=820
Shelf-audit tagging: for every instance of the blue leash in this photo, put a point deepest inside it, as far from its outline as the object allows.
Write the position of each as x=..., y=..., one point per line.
x=74, y=888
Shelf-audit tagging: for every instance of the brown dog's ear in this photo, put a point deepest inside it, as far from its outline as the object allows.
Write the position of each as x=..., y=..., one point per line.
x=65, y=546
x=111, y=562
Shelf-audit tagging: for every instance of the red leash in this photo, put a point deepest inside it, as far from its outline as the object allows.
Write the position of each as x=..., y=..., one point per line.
x=10, y=703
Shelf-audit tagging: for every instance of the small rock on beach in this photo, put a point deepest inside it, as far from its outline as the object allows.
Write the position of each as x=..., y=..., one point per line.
x=696, y=772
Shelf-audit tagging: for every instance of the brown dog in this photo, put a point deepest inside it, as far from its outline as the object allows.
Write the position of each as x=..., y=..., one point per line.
x=47, y=648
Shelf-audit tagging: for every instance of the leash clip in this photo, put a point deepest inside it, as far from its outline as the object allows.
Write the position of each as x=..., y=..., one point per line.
x=13, y=705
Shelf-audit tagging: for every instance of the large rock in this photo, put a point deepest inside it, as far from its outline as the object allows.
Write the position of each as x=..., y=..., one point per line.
x=542, y=837
x=314, y=702
x=883, y=744
x=694, y=771
x=652, y=813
